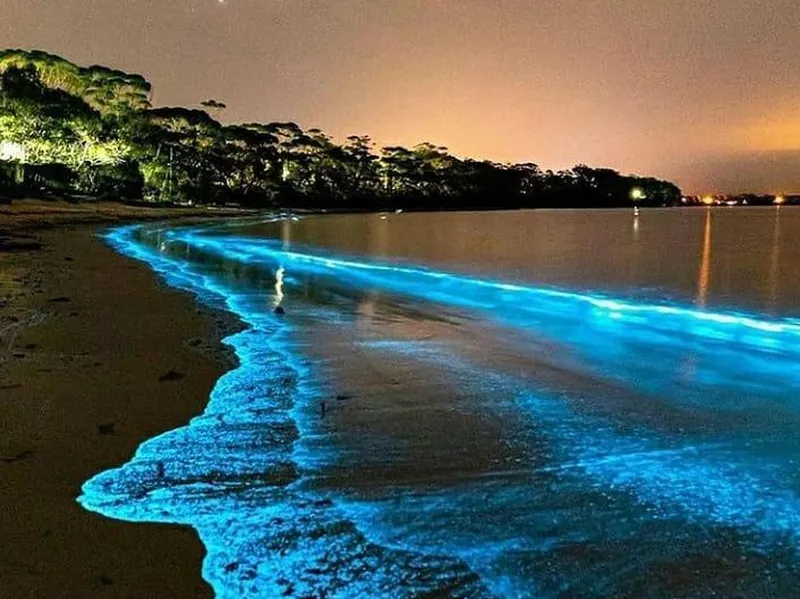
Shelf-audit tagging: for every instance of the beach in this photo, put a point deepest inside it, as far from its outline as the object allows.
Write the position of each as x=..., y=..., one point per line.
x=406, y=426
x=96, y=355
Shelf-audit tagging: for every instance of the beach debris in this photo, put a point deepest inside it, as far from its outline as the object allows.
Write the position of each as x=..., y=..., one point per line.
x=23, y=455
x=61, y=299
x=106, y=429
x=10, y=386
x=343, y=397
x=323, y=409
x=279, y=310
x=105, y=580
x=69, y=259
x=171, y=375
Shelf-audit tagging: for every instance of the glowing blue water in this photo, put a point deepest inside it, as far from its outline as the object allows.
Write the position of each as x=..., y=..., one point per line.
x=668, y=469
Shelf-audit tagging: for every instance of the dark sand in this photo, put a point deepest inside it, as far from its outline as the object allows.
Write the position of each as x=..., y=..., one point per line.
x=85, y=335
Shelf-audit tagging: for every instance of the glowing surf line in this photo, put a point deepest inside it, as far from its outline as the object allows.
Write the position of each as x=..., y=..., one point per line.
x=211, y=477
x=766, y=331
x=250, y=249
x=771, y=345
x=596, y=465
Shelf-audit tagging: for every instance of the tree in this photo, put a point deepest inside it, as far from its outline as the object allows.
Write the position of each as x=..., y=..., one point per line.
x=93, y=130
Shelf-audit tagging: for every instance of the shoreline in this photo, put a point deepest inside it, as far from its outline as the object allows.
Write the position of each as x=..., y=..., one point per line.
x=78, y=399
x=272, y=542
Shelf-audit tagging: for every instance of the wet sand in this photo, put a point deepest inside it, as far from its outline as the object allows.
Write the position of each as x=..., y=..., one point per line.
x=96, y=355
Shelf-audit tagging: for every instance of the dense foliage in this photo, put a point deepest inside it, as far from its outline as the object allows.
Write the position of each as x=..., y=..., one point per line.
x=93, y=131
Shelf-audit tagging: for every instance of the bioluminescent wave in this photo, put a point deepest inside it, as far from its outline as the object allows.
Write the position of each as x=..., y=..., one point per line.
x=229, y=474
x=645, y=344
x=494, y=438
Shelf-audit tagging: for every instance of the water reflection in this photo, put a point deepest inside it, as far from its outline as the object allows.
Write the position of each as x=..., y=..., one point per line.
x=712, y=257
x=286, y=233
x=378, y=246
x=705, y=263
x=774, y=263
x=278, y=297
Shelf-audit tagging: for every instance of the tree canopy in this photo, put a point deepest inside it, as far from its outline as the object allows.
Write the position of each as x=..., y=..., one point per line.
x=93, y=131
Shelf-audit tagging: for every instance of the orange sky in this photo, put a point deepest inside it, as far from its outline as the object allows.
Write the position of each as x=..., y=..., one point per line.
x=706, y=92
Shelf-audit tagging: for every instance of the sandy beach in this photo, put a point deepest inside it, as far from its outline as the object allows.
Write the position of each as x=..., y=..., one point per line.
x=96, y=355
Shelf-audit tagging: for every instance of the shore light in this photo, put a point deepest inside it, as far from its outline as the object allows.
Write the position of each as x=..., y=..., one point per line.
x=10, y=150
x=779, y=200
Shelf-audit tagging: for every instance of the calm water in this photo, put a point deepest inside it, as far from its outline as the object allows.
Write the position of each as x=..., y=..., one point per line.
x=514, y=404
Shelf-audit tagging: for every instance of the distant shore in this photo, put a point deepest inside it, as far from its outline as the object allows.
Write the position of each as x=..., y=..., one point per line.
x=85, y=336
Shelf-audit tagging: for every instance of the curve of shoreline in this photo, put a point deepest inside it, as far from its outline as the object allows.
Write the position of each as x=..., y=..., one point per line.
x=232, y=474
x=236, y=473
x=85, y=336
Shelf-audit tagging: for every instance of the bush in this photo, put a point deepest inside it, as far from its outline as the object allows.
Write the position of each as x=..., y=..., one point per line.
x=8, y=184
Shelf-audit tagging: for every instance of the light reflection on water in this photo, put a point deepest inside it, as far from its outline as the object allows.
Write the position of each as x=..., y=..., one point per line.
x=405, y=430
x=736, y=258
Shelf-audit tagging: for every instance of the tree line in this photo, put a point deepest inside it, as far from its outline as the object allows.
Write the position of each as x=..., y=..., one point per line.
x=93, y=131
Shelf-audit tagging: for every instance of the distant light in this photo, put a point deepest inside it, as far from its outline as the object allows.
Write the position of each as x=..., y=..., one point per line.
x=637, y=193
x=779, y=200
x=10, y=150
x=708, y=200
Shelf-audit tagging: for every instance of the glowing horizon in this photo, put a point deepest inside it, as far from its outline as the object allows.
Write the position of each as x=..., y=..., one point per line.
x=702, y=94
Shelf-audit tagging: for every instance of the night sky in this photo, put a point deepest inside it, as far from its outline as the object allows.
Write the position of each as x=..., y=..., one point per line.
x=706, y=92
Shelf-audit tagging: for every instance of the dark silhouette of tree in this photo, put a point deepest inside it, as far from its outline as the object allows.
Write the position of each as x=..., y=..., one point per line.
x=213, y=104
x=70, y=129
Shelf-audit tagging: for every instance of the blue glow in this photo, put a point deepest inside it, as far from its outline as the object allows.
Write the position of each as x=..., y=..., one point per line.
x=702, y=460
x=667, y=479
x=602, y=329
x=229, y=473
